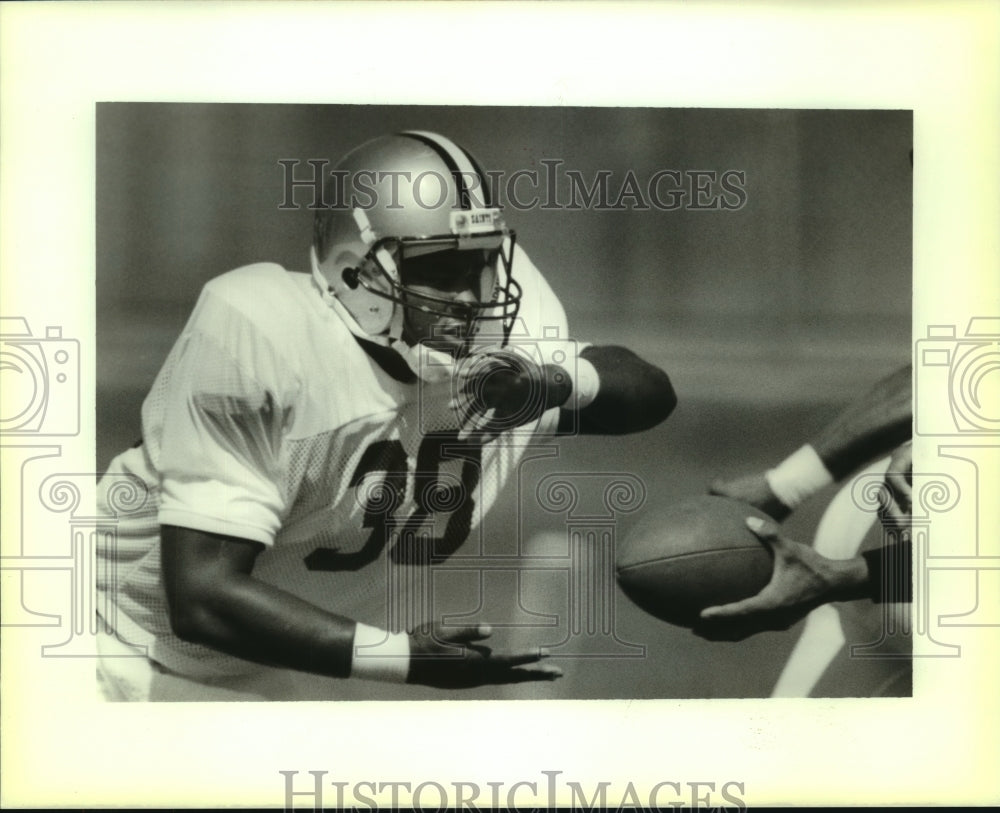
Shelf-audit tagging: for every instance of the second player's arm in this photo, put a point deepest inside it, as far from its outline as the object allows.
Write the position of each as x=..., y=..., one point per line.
x=870, y=427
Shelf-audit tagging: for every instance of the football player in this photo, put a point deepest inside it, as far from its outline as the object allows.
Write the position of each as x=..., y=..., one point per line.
x=314, y=443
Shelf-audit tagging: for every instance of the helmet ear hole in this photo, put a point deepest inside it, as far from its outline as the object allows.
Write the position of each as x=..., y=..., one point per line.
x=350, y=277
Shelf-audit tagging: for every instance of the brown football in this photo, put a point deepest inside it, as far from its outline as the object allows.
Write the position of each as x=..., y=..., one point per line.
x=680, y=558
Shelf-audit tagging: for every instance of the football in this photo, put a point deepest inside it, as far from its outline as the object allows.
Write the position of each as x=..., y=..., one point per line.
x=681, y=558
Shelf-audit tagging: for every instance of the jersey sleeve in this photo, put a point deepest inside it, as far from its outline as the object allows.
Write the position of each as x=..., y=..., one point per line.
x=226, y=409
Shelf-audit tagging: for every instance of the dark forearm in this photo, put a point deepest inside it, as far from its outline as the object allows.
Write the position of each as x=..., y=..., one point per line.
x=235, y=613
x=870, y=427
x=889, y=572
x=255, y=621
x=633, y=395
x=883, y=575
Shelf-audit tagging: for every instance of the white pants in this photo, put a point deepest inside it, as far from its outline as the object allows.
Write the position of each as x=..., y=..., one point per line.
x=124, y=673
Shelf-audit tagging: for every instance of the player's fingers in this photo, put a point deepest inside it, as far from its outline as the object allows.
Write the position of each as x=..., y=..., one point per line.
x=748, y=488
x=893, y=513
x=525, y=675
x=720, y=611
x=718, y=488
x=900, y=492
x=740, y=627
x=469, y=423
x=463, y=401
x=754, y=490
x=474, y=370
x=488, y=437
x=467, y=383
x=764, y=529
x=484, y=436
x=476, y=422
x=748, y=606
x=522, y=658
x=899, y=476
x=465, y=635
x=902, y=459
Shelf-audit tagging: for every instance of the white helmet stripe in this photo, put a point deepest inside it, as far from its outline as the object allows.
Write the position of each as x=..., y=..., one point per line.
x=455, y=157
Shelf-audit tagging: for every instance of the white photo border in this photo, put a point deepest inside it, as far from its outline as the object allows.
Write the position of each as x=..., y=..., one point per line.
x=61, y=748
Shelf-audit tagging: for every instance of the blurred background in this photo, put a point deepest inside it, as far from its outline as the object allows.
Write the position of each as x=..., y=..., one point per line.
x=769, y=318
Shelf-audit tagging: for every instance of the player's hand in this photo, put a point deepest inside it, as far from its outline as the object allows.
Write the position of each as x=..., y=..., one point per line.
x=457, y=660
x=754, y=490
x=498, y=390
x=802, y=580
x=899, y=480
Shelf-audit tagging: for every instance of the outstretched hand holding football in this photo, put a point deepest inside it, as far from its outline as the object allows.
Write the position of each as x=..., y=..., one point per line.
x=457, y=660
x=801, y=581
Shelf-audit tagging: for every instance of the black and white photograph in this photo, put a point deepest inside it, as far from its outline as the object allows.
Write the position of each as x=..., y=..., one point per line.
x=345, y=485
x=498, y=405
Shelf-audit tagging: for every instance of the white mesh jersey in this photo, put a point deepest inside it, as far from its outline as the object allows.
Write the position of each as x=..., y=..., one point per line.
x=269, y=421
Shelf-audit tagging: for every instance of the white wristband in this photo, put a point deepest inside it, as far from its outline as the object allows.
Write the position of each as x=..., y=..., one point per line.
x=586, y=383
x=584, y=380
x=380, y=655
x=798, y=476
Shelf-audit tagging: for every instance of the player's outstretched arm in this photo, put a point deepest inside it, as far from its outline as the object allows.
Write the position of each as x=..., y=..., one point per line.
x=869, y=428
x=215, y=601
x=605, y=391
x=632, y=395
